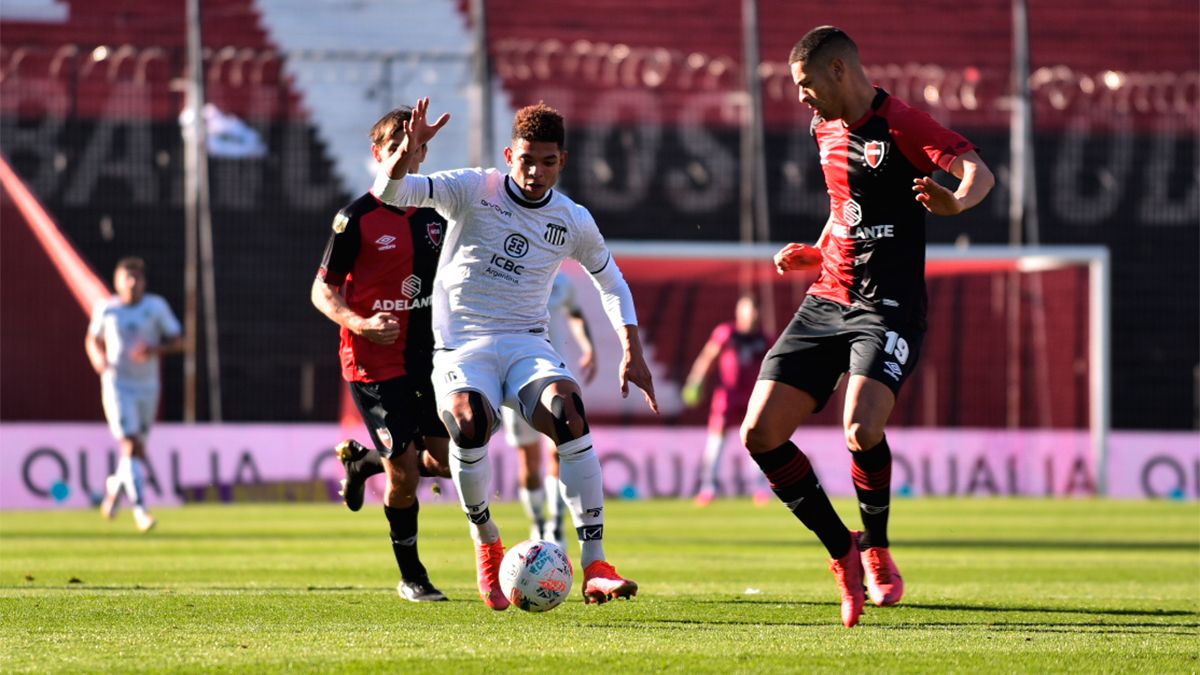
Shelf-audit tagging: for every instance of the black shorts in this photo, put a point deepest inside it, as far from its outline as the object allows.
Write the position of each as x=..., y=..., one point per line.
x=397, y=412
x=826, y=339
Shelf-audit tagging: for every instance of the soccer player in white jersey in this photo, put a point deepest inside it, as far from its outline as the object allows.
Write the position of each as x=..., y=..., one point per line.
x=540, y=497
x=506, y=237
x=127, y=334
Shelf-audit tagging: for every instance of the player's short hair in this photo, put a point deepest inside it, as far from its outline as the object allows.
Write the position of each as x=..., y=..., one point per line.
x=386, y=127
x=820, y=44
x=539, y=123
x=131, y=263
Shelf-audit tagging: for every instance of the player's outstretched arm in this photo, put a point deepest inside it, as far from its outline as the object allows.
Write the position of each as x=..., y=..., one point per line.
x=634, y=368
x=976, y=181
x=693, y=386
x=417, y=132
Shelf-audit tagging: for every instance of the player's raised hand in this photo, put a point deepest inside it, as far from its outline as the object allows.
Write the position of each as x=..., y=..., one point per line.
x=417, y=132
x=418, y=129
x=382, y=328
x=797, y=257
x=936, y=198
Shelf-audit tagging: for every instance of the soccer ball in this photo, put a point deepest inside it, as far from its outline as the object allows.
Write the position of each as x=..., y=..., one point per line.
x=536, y=575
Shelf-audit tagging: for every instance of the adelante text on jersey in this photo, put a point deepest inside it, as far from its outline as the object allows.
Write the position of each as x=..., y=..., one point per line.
x=401, y=304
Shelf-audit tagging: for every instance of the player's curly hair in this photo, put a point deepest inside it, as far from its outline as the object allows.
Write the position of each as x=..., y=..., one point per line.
x=386, y=127
x=539, y=122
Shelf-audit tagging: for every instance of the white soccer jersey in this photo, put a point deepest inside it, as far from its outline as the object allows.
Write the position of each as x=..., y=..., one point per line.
x=149, y=322
x=502, y=252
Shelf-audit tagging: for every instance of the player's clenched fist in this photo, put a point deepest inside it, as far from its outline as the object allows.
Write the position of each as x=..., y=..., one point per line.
x=382, y=328
x=797, y=257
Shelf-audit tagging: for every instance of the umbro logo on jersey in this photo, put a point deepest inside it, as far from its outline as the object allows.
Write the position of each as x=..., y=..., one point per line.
x=386, y=242
x=555, y=235
x=411, y=286
x=873, y=153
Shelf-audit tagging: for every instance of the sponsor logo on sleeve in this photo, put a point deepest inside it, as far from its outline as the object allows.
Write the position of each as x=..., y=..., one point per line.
x=340, y=221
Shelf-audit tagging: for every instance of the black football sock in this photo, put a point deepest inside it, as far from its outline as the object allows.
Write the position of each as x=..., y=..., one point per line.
x=404, y=541
x=370, y=463
x=872, y=473
x=795, y=483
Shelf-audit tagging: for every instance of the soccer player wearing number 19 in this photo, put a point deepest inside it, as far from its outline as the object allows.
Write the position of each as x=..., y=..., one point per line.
x=866, y=312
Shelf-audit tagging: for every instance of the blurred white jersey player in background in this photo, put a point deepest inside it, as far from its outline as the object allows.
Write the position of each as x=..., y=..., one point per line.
x=126, y=335
x=506, y=238
x=544, y=505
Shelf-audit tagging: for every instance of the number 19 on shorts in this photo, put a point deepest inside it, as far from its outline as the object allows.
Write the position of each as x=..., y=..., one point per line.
x=896, y=346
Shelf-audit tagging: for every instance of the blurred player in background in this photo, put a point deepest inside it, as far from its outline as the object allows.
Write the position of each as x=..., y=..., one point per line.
x=545, y=506
x=507, y=237
x=127, y=334
x=376, y=282
x=866, y=312
x=737, y=348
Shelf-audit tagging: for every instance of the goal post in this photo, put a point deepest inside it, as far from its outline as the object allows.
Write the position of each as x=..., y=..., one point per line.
x=1026, y=288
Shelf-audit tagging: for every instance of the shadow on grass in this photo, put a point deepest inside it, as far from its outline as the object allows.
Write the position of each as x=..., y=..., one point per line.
x=967, y=608
x=995, y=543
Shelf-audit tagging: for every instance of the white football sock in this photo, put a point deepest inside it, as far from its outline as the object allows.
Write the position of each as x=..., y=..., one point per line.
x=533, y=501
x=712, y=460
x=554, y=502
x=471, y=469
x=124, y=474
x=583, y=492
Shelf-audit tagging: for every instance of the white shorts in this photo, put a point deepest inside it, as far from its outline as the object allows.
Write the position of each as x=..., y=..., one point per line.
x=129, y=409
x=497, y=366
x=517, y=431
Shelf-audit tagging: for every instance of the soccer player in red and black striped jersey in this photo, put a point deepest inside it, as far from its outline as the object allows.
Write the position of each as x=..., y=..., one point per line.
x=865, y=314
x=376, y=282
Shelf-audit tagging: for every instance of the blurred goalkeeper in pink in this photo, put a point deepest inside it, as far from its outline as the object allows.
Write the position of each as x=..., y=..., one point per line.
x=737, y=348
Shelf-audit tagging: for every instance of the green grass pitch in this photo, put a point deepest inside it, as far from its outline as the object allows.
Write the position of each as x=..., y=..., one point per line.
x=993, y=585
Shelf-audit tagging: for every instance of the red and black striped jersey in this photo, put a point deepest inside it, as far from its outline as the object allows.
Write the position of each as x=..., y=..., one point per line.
x=874, y=256
x=384, y=259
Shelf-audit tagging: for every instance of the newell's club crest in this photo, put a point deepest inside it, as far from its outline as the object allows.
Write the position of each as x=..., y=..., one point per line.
x=873, y=153
x=434, y=232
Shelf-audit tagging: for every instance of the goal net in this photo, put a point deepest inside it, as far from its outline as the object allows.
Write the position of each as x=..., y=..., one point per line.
x=1018, y=337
